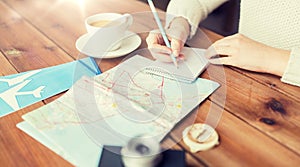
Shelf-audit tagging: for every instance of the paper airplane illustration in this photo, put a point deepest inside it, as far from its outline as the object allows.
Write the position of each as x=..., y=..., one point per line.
x=19, y=79
x=9, y=96
x=23, y=89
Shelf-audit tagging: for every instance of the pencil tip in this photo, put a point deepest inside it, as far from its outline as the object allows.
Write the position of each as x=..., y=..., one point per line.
x=176, y=64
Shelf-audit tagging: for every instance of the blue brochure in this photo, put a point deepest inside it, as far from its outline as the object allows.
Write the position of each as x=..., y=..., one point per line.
x=20, y=90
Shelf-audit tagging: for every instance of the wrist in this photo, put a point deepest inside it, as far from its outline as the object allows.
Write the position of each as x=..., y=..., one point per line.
x=278, y=66
x=179, y=28
x=180, y=23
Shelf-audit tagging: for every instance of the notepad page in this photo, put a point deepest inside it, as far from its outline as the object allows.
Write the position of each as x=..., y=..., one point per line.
x=188, y=69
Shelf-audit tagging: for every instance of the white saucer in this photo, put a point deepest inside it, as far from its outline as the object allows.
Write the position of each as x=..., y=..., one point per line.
x=129, y=44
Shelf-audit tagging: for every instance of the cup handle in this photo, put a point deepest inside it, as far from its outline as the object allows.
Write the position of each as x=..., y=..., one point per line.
x=129, y=19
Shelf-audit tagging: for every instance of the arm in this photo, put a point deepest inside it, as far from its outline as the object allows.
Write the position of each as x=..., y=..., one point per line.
x=182, y=22
x=242, y=52
x=193, y=10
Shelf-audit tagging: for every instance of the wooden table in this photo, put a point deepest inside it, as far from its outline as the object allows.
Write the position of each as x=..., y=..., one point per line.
x=260, y=123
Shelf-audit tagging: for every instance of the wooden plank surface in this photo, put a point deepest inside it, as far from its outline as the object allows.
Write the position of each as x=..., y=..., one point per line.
x=24, y=46
x=6, y=68
x=259, y=126
x=21, y=149
x=239, y=143
x=266, y=109
x=274, y=83
x=65, y=31
x=35, y=30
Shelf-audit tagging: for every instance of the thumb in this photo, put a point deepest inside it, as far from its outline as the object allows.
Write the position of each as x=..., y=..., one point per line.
x=176, y=46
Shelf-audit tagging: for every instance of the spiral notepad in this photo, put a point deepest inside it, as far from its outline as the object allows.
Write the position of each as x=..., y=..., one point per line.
x=188, y=70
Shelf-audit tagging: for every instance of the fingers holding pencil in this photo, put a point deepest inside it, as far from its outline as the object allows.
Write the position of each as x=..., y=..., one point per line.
x=160, y=51
x=162, y=31
x=177, y=33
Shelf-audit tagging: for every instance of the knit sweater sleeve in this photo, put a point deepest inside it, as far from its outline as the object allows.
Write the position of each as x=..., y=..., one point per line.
x=193, y=10
x=292, y=72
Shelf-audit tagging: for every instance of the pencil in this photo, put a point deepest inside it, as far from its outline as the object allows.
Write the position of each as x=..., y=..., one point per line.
x=162, y=30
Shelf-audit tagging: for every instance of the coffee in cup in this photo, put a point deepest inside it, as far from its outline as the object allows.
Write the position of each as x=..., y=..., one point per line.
x=106, y=31
x=103, y=23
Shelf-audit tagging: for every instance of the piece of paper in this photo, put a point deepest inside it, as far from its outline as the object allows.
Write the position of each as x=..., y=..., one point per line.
x=71, y=143
x=37, y=135
x=20, y=90
x=112, y=108
x=188, y=70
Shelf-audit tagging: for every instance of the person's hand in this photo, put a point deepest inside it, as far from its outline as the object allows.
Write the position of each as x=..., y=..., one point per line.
x=240, y=51
x=177, y=32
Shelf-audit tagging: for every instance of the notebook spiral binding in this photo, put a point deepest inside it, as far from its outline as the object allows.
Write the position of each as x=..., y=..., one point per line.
x=160, y=72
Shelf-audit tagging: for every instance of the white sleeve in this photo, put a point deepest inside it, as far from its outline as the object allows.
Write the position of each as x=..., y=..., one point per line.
x=292, y=71
x=193, y=10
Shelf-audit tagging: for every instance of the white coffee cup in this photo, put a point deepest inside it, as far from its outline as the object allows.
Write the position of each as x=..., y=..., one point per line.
x=106, y=31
